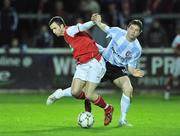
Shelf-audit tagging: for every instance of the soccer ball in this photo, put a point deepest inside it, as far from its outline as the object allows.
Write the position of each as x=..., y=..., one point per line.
x=85, y=119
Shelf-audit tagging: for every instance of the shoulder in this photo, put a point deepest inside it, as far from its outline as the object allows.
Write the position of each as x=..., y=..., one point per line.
x=117, y=30
x=72, y=30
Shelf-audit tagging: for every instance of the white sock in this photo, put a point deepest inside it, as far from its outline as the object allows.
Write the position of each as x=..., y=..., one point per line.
x=125, y=104
x=59, y=93
x=67, y=92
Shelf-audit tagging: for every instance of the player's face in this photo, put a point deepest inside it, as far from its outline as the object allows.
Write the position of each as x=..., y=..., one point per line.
x=133, y=32
x=58, y=30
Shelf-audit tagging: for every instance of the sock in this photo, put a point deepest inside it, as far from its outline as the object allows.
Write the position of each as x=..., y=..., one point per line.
x=59, y=93
x=81, y=96
x=87, y=105
x=100, y=102
x=125, y=104
x=67, y=92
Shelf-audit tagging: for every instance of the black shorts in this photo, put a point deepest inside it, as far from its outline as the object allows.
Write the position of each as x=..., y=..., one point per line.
x=113, y=72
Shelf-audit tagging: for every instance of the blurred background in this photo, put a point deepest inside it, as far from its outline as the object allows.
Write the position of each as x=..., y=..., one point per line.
x=31, y=57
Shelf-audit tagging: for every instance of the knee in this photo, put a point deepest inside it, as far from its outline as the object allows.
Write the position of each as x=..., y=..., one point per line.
x=75, y=93
x=128, y=91
x=88, y=95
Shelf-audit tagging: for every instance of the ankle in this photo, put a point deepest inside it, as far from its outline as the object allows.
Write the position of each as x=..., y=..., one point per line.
x=108, y=108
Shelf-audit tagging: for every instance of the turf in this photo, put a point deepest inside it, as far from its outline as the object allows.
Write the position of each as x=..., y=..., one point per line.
x=27, y=115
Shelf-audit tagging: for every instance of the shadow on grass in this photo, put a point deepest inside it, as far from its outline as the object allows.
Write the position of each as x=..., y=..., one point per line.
x=62, y=130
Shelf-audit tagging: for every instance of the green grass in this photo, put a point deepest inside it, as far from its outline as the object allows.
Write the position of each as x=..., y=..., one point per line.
x=27, y=115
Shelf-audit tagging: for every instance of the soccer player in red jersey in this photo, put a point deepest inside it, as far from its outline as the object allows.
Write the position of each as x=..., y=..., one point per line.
x=90, y=64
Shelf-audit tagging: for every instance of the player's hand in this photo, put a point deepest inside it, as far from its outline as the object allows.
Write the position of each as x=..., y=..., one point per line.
x=138, y=73
x=96, y=17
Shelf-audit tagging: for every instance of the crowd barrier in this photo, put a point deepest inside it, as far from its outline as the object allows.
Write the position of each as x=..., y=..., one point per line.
x=52, y=68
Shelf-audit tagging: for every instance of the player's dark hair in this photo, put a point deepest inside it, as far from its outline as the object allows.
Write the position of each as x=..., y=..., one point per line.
x=57, y=19
x=136, y=22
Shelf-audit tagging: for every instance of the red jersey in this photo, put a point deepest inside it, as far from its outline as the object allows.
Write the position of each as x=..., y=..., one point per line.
x=84, y=47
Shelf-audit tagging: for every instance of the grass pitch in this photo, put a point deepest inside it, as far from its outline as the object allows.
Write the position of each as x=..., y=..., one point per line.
x=27, y=115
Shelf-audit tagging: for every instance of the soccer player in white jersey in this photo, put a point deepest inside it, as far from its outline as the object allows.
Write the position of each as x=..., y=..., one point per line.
x=121, y=56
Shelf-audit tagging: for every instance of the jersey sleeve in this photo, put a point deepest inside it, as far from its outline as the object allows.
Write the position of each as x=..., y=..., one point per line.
x=114, y=31
x=72, y=30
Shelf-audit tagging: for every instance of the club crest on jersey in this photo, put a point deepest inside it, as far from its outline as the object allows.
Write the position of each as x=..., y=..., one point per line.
x=128, y=55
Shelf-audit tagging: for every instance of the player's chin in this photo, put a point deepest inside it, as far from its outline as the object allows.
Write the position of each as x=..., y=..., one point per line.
x=133, y=37
x=58, y=35
x=139, y=75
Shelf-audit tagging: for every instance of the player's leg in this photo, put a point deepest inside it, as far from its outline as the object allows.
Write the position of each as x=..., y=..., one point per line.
x=125, y=84
x=78, y=82
x=87, y=102
x=96, y=71
x=59, y=93
x=87, y=105
x=80, y=75
x=99, y=101
x=77, y=87
x=93, y=72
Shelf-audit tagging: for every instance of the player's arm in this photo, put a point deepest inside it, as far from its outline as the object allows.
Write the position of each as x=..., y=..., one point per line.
x=132, y=67
x=100, y=48
x=98, y=21
x=103, y=26
x=72, y=30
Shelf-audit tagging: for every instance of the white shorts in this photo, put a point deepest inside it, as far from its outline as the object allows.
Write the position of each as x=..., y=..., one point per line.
x=92, y=71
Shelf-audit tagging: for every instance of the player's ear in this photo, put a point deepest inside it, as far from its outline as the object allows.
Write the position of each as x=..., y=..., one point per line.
x=140, y=32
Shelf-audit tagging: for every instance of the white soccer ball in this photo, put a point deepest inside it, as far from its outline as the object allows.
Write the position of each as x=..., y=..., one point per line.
x=85, y=119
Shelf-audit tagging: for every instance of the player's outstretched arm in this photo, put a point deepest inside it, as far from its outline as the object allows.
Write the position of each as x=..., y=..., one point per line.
x=86, y=26
x=97, y=19
x=72, y=30
x=136, y=72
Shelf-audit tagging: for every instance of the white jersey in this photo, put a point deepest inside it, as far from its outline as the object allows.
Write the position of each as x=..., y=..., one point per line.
x=120, y=51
